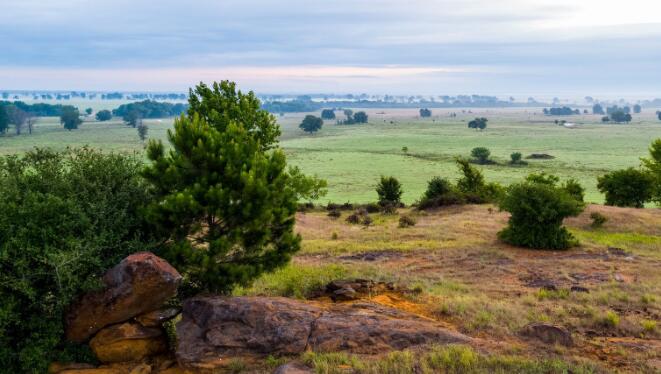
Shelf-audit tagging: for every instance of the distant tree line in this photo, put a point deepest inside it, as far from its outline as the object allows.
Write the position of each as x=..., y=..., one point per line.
x=149, y=109
x=38, y=109
x=564, y=111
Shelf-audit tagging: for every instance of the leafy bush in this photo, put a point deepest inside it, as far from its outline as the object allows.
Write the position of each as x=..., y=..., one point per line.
x=481, y=155
x=224, y=196
x=627, y=188
x=537, y=211
x=574, y=189
x=516, y=158
x=328, y=114
x=598, y=219
x=472, y=180
x=473, y=186
x=406, y=221
x=66, y=218
x=478, y=123
x=389, y=190
x=103, y=115
x=437, y=187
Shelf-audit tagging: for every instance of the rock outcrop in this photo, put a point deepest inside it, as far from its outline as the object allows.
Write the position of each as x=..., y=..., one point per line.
x=213, y=329
x=128, y=342
x=141, y=283
x=549, y=334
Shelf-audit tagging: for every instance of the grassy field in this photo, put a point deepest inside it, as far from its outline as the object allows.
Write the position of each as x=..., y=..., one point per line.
x=352, y=158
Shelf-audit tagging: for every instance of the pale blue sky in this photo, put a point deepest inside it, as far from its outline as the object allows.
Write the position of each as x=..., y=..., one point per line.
x=520, y=47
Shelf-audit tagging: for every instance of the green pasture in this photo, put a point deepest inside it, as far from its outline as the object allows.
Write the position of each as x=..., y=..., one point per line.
x=353, y=157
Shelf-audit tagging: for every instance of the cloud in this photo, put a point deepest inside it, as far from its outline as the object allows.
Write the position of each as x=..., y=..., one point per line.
x=542, y=39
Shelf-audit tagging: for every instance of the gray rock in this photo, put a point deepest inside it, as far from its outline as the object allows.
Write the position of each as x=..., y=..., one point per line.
x=214, y=328
x=549, y=334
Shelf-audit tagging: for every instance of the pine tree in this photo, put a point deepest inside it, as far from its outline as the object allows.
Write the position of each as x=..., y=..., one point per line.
x=223, y=191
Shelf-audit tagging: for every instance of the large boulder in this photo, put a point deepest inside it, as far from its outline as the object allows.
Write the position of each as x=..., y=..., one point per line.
x=141, y=283
x=213, y=329
x=128, y=342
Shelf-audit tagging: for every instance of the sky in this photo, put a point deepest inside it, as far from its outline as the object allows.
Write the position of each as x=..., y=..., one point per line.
x=605, y=48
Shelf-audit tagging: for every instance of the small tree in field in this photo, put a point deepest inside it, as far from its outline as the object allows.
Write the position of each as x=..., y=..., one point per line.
x=627, y=188
x=223, y=193
x=103, y=115
x=389, y=190
x=142, y=131
x=516, y=158
x=478, y=123
x=328, y=114
x=481, y=155
x=311, y=124
x=425, y=113
x=88, y=111
x=360, y=117
x=70, y=118
x=537, y=211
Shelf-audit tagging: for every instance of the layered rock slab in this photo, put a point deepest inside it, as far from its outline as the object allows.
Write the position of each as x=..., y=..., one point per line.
x=215, y=328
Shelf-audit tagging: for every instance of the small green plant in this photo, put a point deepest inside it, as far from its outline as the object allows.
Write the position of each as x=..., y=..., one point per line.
x=598, y=219
x=389, y=190
x=236, y=366
x=516, y=158
x=334, y=236
x=406, y=221
x=405, y=149
x=648, y=325
x=481, y=155
x=610, y=319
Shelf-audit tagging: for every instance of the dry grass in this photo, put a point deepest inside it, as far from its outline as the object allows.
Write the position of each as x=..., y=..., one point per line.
x=462, y=276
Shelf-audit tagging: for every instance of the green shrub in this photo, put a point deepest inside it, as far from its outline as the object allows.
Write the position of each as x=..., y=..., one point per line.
x=610, y=319
x=66, y=218
x=627, y=188
x=472, y=181
x=537, y=211
x=437, y=187
x=574, y=189
x=516, y=158
x=598, y=219
x=389, y=190
x=481, y=155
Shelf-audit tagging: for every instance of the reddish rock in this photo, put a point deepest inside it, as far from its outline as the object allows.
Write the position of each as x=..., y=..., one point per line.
x=157, y=317
x=549, y=334
x=58, y=367
x=213, y=329
x=128, y=342
x=141, y=283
